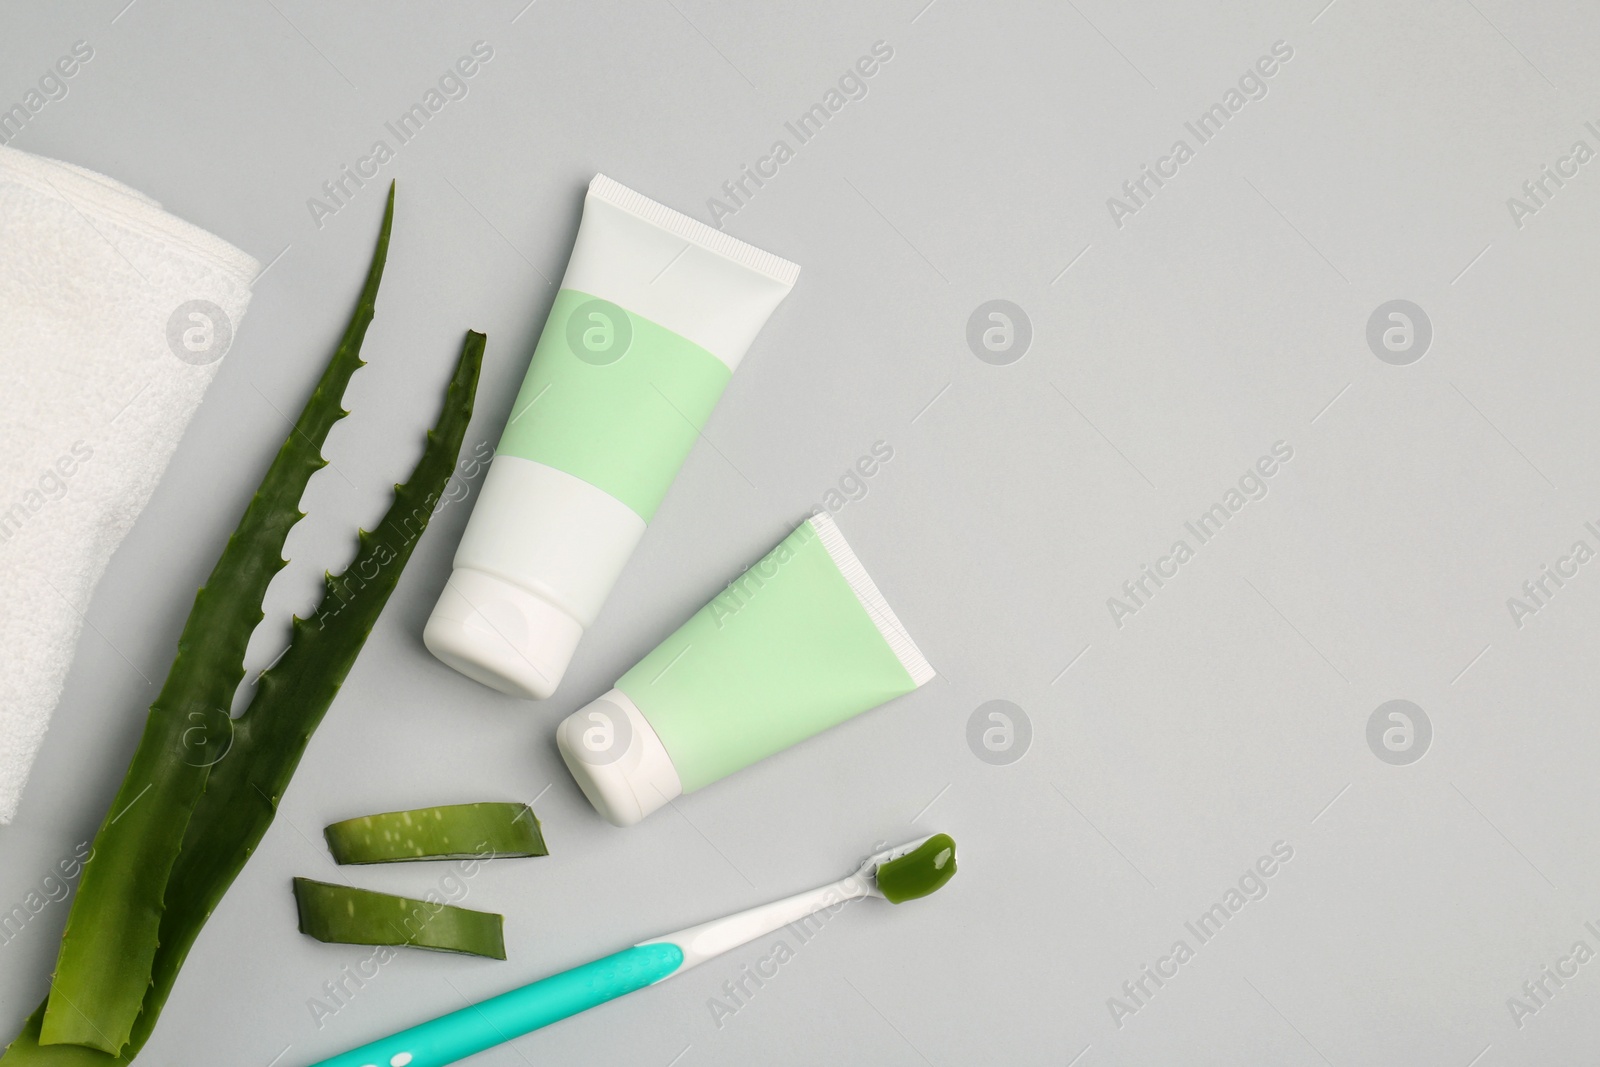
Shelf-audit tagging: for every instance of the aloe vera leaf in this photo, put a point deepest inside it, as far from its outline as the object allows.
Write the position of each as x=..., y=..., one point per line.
x=242, y=793
x=344, y=915
x=103, y=969
x=453, y=831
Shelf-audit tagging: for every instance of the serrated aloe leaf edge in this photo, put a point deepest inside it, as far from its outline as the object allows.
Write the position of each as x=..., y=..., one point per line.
x=182, y=827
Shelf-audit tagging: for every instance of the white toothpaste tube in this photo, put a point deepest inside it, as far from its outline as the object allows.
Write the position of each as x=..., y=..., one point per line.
x=654, y=314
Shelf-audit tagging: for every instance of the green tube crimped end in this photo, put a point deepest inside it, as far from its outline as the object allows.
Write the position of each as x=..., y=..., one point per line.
x=920, y=872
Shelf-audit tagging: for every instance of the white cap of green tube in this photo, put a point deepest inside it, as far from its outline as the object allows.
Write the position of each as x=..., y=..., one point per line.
x=502, y=635
x=618, y=759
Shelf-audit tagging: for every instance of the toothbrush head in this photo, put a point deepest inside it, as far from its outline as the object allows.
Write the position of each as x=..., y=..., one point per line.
x=911, y=870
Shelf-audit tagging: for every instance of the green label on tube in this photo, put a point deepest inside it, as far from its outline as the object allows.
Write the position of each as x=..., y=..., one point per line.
x=785, y=652
x=613, y=399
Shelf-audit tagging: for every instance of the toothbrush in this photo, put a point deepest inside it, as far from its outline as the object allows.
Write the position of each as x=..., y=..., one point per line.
x=898, y=874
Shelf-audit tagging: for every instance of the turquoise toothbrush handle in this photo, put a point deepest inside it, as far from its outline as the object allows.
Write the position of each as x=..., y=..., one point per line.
x=471, y=1030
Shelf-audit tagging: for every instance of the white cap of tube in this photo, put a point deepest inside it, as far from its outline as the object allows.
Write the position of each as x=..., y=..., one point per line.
x=502, y=635
x=618, y=759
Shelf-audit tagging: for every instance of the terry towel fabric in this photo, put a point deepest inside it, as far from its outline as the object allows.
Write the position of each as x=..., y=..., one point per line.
x=113, y=315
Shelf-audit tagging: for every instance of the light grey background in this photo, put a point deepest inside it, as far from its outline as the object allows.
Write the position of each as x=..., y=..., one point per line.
x=1229, y=313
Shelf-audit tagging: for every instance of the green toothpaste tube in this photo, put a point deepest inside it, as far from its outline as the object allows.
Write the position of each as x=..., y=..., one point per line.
x=800, y=642
x=654, y=314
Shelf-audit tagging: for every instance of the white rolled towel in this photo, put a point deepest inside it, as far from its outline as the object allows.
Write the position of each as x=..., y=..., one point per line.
x=113, y=315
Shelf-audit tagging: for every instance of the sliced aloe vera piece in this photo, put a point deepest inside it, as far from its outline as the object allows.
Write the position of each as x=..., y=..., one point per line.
x=343, y=915
x=454, y=831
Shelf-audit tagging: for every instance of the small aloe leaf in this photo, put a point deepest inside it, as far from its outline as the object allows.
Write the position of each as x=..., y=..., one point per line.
x=454, y=831
x=344, y=915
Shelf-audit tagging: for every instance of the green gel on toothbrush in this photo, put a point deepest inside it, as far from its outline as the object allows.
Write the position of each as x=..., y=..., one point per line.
x=920, y=872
